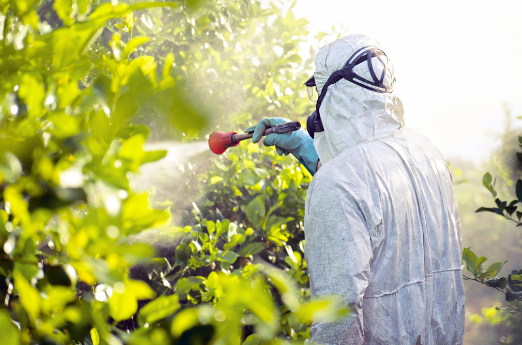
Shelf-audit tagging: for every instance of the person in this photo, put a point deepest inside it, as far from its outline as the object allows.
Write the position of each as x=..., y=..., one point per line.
x=382, y=228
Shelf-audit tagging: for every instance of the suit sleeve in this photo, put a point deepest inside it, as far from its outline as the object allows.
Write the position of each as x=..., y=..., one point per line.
x=338, y=253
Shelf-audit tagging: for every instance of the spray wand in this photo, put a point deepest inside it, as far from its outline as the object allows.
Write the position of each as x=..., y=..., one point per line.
x=219, y=142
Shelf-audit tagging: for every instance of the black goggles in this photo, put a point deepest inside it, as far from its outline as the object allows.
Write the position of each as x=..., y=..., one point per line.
x=365, y=54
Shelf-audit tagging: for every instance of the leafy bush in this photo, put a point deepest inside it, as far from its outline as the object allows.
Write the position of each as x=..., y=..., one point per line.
x=69, y=105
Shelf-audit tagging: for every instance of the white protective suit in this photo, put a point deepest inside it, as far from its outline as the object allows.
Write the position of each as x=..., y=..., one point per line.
x=382, y=226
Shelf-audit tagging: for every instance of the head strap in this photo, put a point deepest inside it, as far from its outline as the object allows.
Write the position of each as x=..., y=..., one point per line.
x=376, y=85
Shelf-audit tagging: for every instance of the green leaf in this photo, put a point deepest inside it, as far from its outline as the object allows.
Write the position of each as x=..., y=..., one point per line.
x=326, y=310
x=222, y=227
x=470, y=258
x=296, y=58
x=132, y=45
x=183, y=252
x=56, y=275
x=488, y=209
x=137, y=214
x=69, y=43
x=10, y=333
x=122, y=305
x=487, y=178
x=57, y=298
x=258, y=205
x=517, y=277
x=139, y=289
x=486, y=181
x=234, y=241
x=251, y=249
x=167, y=67
x=152, y=156
x=263, y=173
x=513, y=279
x=95, y=336
x=253, y=339
x=184, y=320
x=166, y=83
x=143, y=62
x=29, y=296
x=64, y=10
x=519, y=190
x=211, y=227
x=495, y=268
x=107, y=10
x=215, y=179
x=158, y=309
x=478, y=263
x=139, y=90
x=33, y=93
x=228, y=256
x=214, y=285
x=184, y=286
x=503, y=283
x=220, y=165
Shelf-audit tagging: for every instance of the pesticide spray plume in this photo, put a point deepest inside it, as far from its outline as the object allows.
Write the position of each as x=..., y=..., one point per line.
x=219, y=142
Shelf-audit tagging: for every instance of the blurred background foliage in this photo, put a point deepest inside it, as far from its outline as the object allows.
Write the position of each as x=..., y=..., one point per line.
x=114, y=232
x=494, y=235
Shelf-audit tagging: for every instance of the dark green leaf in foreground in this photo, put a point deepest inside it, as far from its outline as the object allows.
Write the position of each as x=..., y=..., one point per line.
x=519, y=190
x=183, y=252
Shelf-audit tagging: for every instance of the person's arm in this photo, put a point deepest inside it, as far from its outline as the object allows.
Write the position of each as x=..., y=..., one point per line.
x=338, y=253
x=298, y=143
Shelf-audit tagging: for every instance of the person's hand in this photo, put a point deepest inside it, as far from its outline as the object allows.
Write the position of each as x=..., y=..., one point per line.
x=299, y=143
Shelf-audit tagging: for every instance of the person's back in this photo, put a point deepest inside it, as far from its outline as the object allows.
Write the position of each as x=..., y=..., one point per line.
x=391, y=240
x=382, y=228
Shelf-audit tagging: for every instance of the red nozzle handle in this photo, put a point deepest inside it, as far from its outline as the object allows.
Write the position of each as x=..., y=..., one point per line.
x=219, y=142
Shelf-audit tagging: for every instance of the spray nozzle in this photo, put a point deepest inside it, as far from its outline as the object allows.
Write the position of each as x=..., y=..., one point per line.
x=219, y=142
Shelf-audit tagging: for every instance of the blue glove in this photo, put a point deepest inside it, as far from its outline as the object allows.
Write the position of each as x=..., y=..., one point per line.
x=299, y=143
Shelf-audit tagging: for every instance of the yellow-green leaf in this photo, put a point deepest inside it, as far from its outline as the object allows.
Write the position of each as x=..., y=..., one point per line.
x=158, y=309
x=122, y=305
x=8, y=330
x=132, y=45
x=186, y=319
x=169, y=60
x=29, y=296
x=215, y=179
x=139, y=289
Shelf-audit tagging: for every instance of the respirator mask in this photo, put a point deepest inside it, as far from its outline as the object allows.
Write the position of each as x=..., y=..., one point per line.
x=365, y=54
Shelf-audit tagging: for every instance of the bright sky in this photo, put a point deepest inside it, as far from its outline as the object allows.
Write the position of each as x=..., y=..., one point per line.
x=456, y=62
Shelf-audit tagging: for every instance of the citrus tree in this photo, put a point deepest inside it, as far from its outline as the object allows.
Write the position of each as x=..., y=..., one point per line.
x=78, y=78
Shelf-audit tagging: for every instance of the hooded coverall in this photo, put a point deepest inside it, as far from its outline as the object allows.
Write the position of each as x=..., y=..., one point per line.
x=382, y=227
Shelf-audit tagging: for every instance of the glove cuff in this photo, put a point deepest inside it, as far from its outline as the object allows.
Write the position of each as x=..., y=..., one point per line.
x=308, y=157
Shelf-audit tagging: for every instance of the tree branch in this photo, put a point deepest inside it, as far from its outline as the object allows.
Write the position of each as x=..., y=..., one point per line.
x=474, y=279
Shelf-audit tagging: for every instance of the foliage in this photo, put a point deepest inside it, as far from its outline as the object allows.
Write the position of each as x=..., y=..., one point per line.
x=492, y=316
x=76, y=80
x=511, y=285
x=242, y=62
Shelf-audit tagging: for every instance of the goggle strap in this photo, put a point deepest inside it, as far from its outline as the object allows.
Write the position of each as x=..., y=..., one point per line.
x=347, y=73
